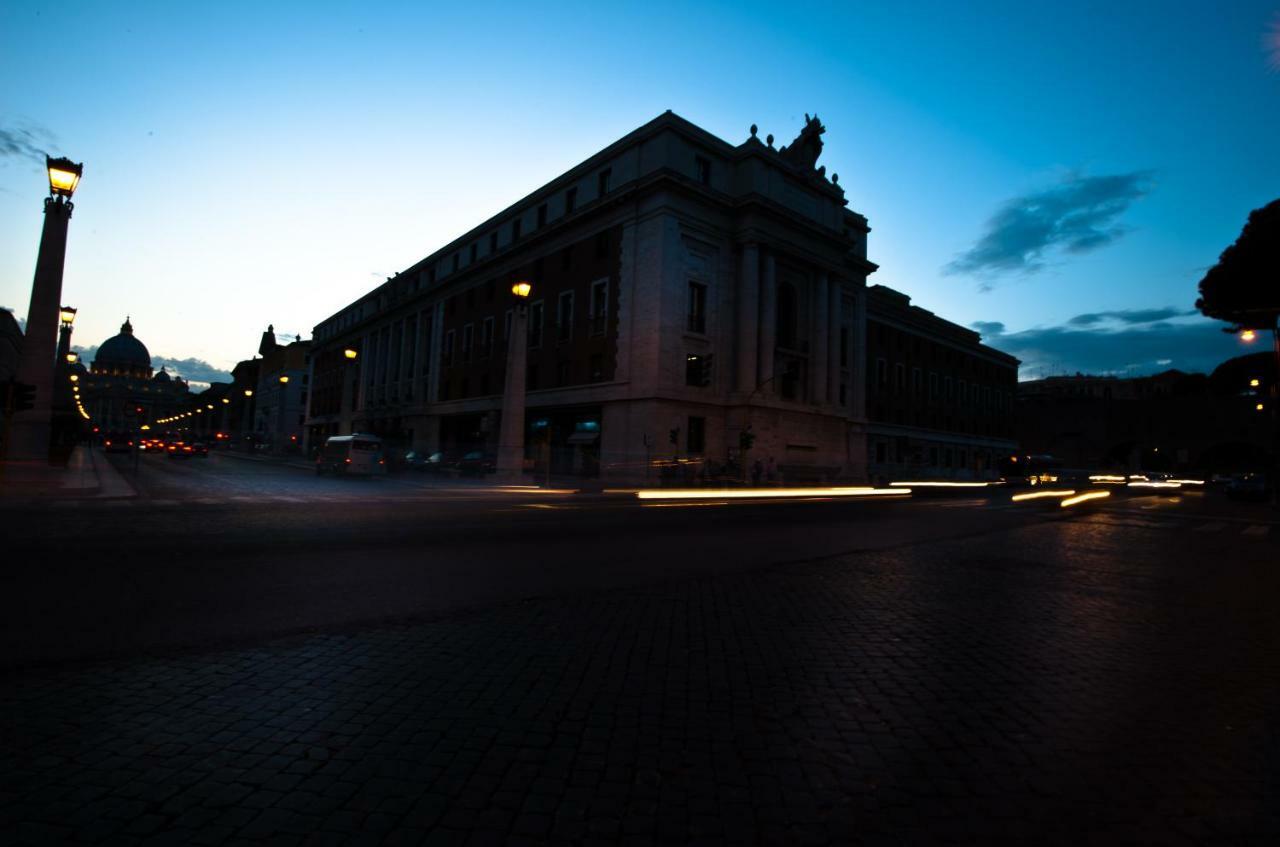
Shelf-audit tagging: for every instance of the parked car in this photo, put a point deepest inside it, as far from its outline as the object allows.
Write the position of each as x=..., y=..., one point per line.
x=477, y=462
x=440, y=462
x=1249, y=486
x=415, y=461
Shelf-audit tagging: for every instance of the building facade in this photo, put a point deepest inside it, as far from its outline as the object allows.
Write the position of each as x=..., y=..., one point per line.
x=685, y=291
x=939, y=402
x=279, y=400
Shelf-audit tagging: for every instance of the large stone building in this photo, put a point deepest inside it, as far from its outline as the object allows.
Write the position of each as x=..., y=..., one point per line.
x=939, y=402
x=690, y=297
x=120, y=382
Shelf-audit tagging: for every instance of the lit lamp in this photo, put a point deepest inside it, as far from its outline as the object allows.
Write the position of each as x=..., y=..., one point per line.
x=248, y=392
x=1254, y=383
x=225, y=400
x=522, y=290
x=72, y=358
x=209, y=405
x=350, y=353
x=64, y=176
x=74, y=378
x=1248, y=335
x=67, y=315
x=283, y=379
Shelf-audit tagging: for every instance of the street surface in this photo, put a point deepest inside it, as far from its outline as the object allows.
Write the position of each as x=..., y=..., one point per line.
x=246, y=653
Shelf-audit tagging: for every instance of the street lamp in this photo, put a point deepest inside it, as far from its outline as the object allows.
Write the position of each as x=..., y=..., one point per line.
x=72, y=358
x=30, y=430
x=511, y=434
x=248, y=392
x=1254, y=383
x=283, y=379
x=1247, y=336
x=350, y=353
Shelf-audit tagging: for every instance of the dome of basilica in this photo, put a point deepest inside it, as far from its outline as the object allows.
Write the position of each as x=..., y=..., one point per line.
x=123, y=353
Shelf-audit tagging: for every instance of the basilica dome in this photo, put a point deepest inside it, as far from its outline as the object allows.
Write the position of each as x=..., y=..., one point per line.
x=123, y=355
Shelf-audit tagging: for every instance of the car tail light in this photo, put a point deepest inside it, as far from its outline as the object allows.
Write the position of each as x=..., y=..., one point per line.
x=347, y=461
x=108, y=442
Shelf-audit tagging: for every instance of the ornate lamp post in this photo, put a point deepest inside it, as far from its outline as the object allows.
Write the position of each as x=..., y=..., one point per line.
x=511, y=434
x=30, y=431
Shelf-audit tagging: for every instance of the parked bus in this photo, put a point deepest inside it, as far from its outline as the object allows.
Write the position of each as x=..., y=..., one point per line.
x=352, y=454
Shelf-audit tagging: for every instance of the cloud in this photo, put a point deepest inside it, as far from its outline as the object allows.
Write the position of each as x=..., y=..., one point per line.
x=988, y=327
x=22, y=143
x=1194, y=346
x=1130, y=316
x=193, y=370
x=1078, y=215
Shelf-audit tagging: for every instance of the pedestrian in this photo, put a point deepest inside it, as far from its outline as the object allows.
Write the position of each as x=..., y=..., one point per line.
x=756, y=470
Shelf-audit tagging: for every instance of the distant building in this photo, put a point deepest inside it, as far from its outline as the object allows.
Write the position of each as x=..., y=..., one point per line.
x=939, y=402
x=120, y=382
x=1166, y=421
x=280, y=396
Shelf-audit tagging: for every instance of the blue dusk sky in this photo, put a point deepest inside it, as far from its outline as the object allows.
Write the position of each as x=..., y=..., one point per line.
x=1058, y=176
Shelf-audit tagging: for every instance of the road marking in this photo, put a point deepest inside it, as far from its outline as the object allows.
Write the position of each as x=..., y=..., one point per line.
x=1257, y=530
x=1216, y=526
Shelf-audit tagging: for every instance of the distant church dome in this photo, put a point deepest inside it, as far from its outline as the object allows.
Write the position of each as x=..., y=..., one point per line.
x=123, y=354
x=162, y=376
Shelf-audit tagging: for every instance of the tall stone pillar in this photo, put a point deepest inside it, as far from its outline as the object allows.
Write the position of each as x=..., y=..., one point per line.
x=858, y=357
x=748, y=317
x=835, y=319
x=768, y=321
x=822, y=342
x=511, y=433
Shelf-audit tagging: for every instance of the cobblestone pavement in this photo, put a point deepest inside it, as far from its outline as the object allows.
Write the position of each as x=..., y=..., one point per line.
x=1060, y=683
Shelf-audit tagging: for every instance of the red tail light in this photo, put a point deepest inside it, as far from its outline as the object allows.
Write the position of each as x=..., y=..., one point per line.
x=348, y=461
x=108, y=442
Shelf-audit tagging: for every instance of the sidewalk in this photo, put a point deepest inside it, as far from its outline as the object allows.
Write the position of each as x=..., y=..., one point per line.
x=86, y=475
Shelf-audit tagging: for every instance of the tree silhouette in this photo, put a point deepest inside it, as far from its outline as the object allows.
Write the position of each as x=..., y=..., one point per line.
x=1244, y=287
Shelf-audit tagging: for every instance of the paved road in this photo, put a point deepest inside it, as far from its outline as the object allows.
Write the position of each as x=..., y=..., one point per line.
x=561, y=669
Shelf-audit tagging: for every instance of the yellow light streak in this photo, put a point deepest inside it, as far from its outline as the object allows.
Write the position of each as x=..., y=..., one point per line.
x=1036, y=495
x=764, y=493
x=1188, y=481
x=1158, y=484
x=1106, y=477
x=940, y=484
x=1080, y=498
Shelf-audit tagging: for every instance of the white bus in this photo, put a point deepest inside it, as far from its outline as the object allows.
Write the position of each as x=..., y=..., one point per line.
x=352, y=454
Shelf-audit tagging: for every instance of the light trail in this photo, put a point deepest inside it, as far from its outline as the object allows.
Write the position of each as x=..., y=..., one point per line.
x=765, y=493
x=1036, y=495
x=1080, y=498
x=941, y=484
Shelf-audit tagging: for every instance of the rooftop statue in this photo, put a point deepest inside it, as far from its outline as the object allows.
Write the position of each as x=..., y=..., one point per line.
x=805, y=150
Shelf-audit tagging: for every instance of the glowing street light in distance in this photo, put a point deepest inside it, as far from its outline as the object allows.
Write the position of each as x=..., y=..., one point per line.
x=1080, y=498
x=763, y=493
x=1036, y=495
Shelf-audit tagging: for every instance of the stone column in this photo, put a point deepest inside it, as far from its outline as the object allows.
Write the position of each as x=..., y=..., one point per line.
x=748, y=317
x=858, y=357
x=835, y=319
x=821, y=340
x=511, y=432
x=768, y=321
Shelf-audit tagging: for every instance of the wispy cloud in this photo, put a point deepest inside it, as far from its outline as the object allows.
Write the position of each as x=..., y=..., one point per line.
x=1079, y=214
x=24, y=143
x=191, y=369
x=1130, y=316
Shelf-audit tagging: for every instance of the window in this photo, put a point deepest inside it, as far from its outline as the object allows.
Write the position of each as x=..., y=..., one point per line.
x=696, y=435
x=493, y=243
x=964, y=392
x=486, y=340
x=562, y=373
x=787, y=312
x=535, y=324
x=570, y=200
x=948, y=388
x=597, y=367
x=602, y=245
x=467, y=332
x=472, y=258
x=446, y=352
x=933, y=387
x=542, y=216
x=899, y=377
x=531, y=376
x=599, y=306
x=456, y=259
x=882, y=375
x=515, y=230
x=844, y=346
x=917, y=382
x=564, y=317
x=697, y=307
x=693, y=369
x=702, y=169
x=602, y=182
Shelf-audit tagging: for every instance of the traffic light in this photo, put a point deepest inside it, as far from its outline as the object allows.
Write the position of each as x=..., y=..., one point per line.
x=20, y=396
x=674, y=436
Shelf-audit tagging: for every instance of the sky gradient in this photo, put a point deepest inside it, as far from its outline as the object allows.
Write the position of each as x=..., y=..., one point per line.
x=1058, y=177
